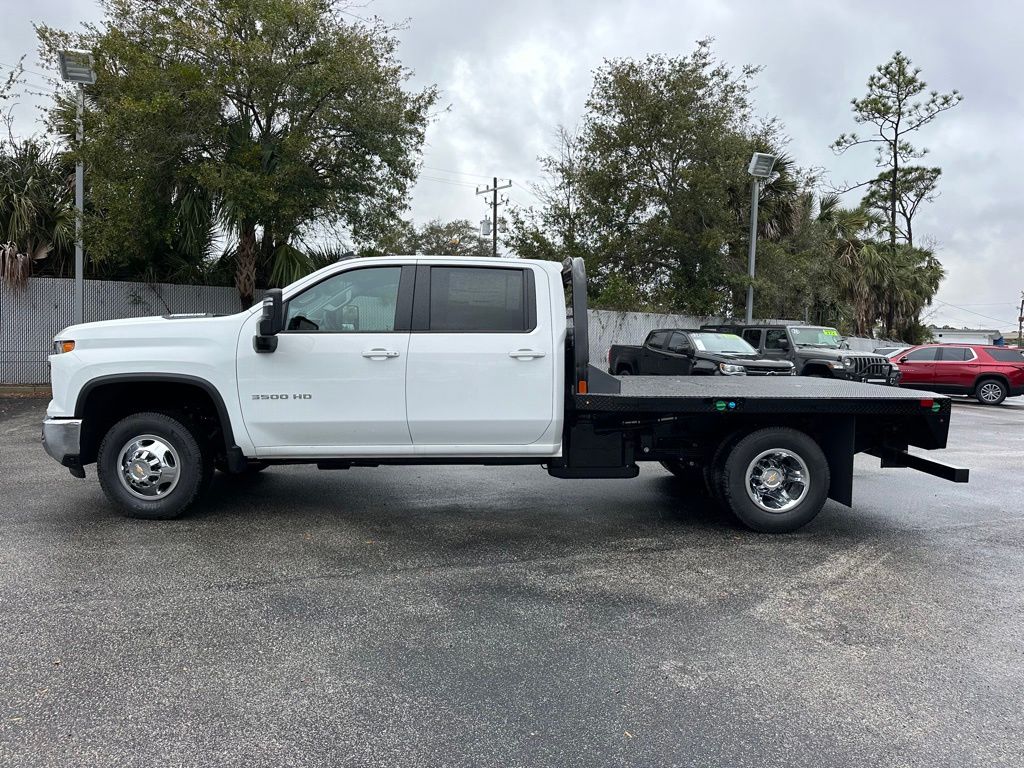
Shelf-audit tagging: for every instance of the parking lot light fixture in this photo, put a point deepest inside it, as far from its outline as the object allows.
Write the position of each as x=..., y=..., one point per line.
x=760, y=167
x=77, y=67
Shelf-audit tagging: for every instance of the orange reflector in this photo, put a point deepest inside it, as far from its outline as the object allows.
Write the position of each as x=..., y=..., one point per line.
x=581, y=387
x=67, y=346
x=927, y=403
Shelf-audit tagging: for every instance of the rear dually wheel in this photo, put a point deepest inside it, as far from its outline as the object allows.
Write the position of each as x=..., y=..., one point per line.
x=775, y=480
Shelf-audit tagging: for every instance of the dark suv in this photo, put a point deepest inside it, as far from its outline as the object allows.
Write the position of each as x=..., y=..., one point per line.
x=816, y=350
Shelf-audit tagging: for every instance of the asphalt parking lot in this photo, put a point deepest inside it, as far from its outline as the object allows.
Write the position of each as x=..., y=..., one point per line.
x=433, y=616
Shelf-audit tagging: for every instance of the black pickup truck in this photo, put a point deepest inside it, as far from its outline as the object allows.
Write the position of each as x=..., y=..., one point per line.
x=685, y=352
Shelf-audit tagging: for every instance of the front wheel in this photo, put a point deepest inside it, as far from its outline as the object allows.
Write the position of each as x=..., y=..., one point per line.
x=151, y=466
x=990, y=392
x=775, y=480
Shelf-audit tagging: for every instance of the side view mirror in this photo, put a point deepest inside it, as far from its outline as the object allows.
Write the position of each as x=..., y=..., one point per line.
x=271, y=322
x=903, y=359
x=784, y=344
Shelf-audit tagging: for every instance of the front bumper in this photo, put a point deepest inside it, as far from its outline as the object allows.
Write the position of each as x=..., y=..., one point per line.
x=61, y=440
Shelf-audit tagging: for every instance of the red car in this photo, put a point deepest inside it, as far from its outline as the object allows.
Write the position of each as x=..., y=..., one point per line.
x=989, y=373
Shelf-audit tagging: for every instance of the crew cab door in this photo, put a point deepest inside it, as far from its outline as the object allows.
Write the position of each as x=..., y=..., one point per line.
x=336, y=381
x=677, y=359
x=481, y=367
x=777, y=345
x=918, y=367
x=650, y=359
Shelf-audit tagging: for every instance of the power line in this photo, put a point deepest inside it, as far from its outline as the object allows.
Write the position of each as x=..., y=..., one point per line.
x=449, y=182
x=456, y=173
x=23, y=69
x=971, y=312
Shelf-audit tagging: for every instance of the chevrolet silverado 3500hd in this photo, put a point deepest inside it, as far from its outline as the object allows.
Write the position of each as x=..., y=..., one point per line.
x=438, y=360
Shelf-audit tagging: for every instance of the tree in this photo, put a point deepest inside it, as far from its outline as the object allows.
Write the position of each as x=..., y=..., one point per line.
x=36, y=210
x=436, y=237
x=552, y=230
x=653, y=192
x=261, y=117
x=894, y=107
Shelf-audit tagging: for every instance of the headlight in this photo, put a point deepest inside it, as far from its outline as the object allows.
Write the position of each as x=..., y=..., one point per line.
x=61, y=346
x=848, y=362
x=731, y=370
x=836, y=364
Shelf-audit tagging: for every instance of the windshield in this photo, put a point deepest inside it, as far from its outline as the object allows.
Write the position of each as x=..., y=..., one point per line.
x=722, y=342
x=815, y=336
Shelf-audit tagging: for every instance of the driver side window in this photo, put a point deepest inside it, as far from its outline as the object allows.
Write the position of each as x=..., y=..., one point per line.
x=357, y=301
x=775, y=340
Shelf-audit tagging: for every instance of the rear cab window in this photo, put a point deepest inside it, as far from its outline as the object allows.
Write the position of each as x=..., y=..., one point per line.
x=475, y=300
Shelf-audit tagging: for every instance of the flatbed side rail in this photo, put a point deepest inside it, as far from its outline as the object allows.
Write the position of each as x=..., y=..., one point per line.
x=895, y=457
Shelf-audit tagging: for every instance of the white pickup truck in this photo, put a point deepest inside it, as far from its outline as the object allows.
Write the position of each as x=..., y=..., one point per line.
x=430, y=360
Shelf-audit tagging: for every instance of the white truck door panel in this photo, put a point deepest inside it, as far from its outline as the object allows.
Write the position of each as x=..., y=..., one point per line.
x=477, y=385
x=337, y=377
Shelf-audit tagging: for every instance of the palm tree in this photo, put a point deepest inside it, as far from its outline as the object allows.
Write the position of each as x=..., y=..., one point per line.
x=36, y=209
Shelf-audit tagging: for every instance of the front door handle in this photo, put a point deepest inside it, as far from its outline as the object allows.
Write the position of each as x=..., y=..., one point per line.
x=380, y=354
x=525, y=354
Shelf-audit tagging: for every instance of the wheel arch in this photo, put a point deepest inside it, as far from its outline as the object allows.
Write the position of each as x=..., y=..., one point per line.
x=101, y=395
x=1000, y=377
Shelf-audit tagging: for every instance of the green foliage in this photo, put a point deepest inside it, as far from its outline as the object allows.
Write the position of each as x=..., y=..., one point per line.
x=258, y=117
x=896, y=105
x=37, y=221
x=436, y=238
x=653, y=191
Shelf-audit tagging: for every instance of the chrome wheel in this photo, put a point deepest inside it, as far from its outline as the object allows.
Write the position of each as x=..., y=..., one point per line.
x=777, y=480
x=990, y=392
x=149, y=467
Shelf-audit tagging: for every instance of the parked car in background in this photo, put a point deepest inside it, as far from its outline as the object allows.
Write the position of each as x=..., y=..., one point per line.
x=986, y=372
x=685, y=352
x=815, y=350
x=890, y=352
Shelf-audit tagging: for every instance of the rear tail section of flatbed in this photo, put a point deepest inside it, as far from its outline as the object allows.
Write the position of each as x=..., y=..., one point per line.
x=700, y=427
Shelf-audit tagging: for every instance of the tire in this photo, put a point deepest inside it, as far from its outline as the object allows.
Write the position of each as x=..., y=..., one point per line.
x=819, y=373
x=768, y=506
x=163, y=446
x=990, y=392
x=625, y=372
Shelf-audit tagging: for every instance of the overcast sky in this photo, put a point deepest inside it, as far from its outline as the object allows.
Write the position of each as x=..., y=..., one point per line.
x=511, y=72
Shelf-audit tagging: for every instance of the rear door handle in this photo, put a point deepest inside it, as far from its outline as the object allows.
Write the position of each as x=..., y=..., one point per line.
x=380, y=354
x=525, y=354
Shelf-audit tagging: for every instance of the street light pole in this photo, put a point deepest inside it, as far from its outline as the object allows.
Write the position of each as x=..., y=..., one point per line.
x=79, y=213
x=77, y=67
x=760, y=167
x=752, y=254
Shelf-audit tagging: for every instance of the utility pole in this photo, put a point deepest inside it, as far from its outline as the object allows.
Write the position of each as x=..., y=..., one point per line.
x=1020, y=322
x=493, y=190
